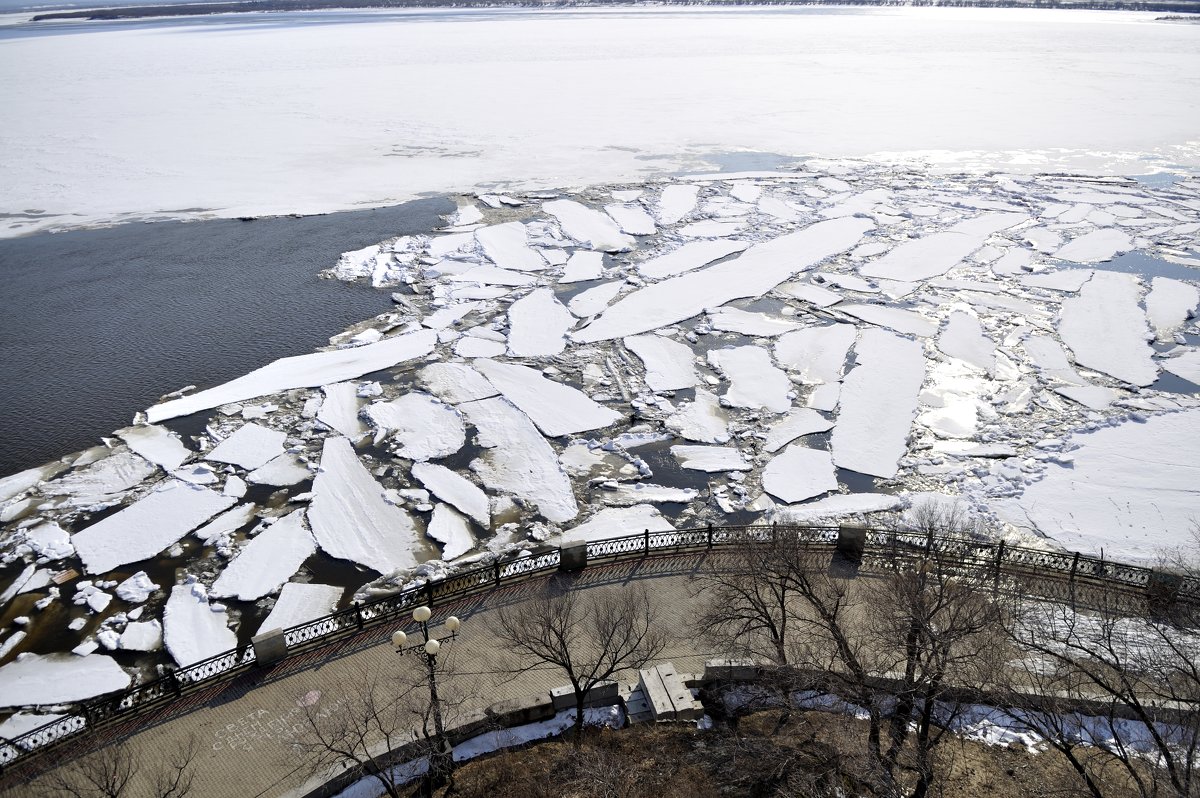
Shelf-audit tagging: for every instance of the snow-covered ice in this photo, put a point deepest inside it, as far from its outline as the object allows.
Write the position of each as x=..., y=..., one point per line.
x=538, y=325
x=1098, y=245
x=902, y=321
x=286, y=469
x=424, y=428
x=1106, y=330
x=268, y=560
x=506, y=245
x=102, y=482
x=754, y=381
x=47, y=679
x=615, y=522
x=350, y=518
x=148, y=526
x=218, y=531
x=251, y=446
x=594, y=300
x=302, y=371
x=630, y=493
x=1186, y=365
x=588, y=226
x=800, y=421
x=799, y=473
x=555, y=408
x=455, y=489
x=710, y=458
x=701, y=420
x=193, y=630
x=339, y=411
x=583, y=265
x=452, y=530
x=740, y=321
x=878, y=403
x=136, y=588
x=675, y=202
x=157, y=444
x=455, y=382
x=963, y=338
x=141, y=636
x=755, y=272
x=935, y=254
x=1169, y=304
x=691, y=255
x=300, y=603
x=836, y=507
x=670, y=365
x=632, y=219
x=817, y=354
x=518, y=460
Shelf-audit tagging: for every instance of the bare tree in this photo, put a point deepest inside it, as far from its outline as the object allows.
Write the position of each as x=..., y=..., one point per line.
x=115, y=770
x=358, y=729
x=590, y=635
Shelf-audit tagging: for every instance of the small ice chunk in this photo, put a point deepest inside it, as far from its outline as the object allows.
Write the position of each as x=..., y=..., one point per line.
x=268, y=561
x=518, y=459
x=701, y=420
x=583, y=265
x=148, y=526
x=710, y=458
x=556, y=409
x=963, y=338
x=669, y=364
x=1169, y=304
x=235, y=487
x=592, y=227
x=142, y=636
x=755, y=382
x=455, y=489
x=251, y=445
x=136, y=588
x=691, y=255
x=538, y=324
x=157, y=444
x=1096, y=246
x=351, y=519
x=594, y=300
x=800, y=421
x=676, y=202
x=878, y=403
x=286, y=469
x=452, y=530
x=818, y=354
x=740, y=321
x=632, y=219
x=300, y=603
x=902, y=321
x=616, y=522
x=45, y=679
x=48, y=540
x=626, y=494
x=193, y=629
x=799, y=473
x=1106, y=329
x=426, y=428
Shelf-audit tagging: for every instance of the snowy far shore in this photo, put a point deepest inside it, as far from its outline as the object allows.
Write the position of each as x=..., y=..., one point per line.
x=851, y=340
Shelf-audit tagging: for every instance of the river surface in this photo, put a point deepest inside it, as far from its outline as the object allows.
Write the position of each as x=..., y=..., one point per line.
x=97, y=324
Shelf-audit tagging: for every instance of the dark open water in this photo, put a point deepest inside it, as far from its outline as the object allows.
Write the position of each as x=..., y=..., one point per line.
x=97, y=324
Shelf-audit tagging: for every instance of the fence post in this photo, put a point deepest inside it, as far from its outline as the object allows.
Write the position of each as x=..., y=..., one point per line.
x=358, y=616
x=1074, y=566
x=429, y=594
x=176, y=687
x=710, y=530
x=496, y=571
x=999, y=563
x=646, y=543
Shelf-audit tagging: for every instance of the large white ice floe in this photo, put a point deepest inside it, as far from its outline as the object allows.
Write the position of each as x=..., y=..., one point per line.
x=302, y=371
x=755, y=272
x=588, y=226
x=268, y=560
x=455, y=382
x=675, y=202
x=800, y=421
x=555, y=408
x=538, y=324
x=193, y=629
x=157, y=444
x=340, y=409
x=286, y=469
x=937, y=253
x=455, y=489
x=700, y=420
x=632, y=219
x=670, y=365
x=1098, y=245
x=615, y=522
x=594, y=300
x=963, y=338
x=350, y=518
x=1169, y=304
x=1132, y=490
x=583, y=265
x=746, y=323
x=902, y=321
x=1105, y=328
x=506, y=245
x=835, y=507
x=799, y=474
x=250, y=446
x=878, y=403
x=147, y=526
x=102, y=482
x=299, y=603
x=136, y=588
x=47, y=540
x=452, y=530
x=45, y=679
x=754, y=381
x=423, y=427
x=518, y=459
x=817, y=354
x=710, y=458
x=141, y=636
x=691, y=255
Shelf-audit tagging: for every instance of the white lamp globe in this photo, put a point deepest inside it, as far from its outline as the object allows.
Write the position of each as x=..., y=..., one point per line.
x=453, y=623
x=422, y=614
x=432, y=648
x=399, y=639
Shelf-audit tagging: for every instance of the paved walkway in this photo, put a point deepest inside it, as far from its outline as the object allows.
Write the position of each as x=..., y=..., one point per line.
x=243, y=727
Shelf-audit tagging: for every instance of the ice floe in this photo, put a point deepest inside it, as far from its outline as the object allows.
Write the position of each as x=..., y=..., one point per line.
x=1169, y=304
x=632, y=219
x=754, y=381
x=340, y=409
x=615, y=522
x=555, y=408
x=800, y=421
x=710, y=458
x=669, y=364
x=691, y=255
x=701, y=420
x=799, y=473
x=268, y=560
x=422, y=427
x=48, y=679
x=193, y=628
x=963, y=338
x=1095, y=246
x=594, y=300
x=157, y=444
x=452, y=530
x=300, y=603
x=103, y=482
x=538, y=324
x=588, y=226
x=1105, y=328
x=350, y=518
x=675, y=202
x=506, y=245
x=740, y=321
x=250, y=446
x=455, y=489
x=935, y=254
x=898, y=319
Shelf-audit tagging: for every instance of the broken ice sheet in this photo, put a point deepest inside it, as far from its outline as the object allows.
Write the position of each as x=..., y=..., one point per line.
x=701, y=420
x=799, y=473
x=588, y=226
x=157, y=444
x=615, y=522
x=455, y=382
x=583, y=265
x=632, y=219
x=555, y=408
x=627, y=494
x=340, y=409
x=102, y=482
x=452, y=530
x=268, y=560
x=676, y=202
x=424, y=427
x=691, y=255
x=1096, y=246
x=800, y=421
x=963, y=338
x=710, y=458
x=286, y=469
x=746, y=323
x=300, y=603
x=594, y=300
x=898, y=319
x=1105, y=328
x=670, y=365
x=48, y=679
x=817, y=354
x=250, y=446
x=148, y=526
x=538, y=324
x=1169, y=304
x=754, y=381
x=506, y=245
x=937, y=253
x=192, y=629
x=456, y=490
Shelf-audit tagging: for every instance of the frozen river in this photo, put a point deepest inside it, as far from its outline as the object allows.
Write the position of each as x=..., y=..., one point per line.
x=282, y=113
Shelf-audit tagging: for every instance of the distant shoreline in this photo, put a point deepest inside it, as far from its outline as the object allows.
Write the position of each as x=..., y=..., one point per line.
x=246, y=6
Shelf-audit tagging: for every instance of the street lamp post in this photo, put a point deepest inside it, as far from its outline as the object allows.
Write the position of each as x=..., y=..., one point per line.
x=441, y=762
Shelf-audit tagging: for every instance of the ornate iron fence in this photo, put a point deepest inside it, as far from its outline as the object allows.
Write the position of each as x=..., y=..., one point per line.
x=882, y=548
